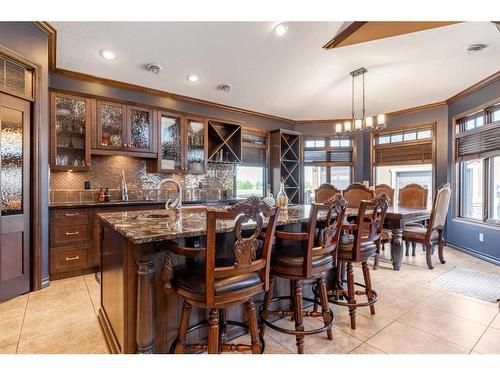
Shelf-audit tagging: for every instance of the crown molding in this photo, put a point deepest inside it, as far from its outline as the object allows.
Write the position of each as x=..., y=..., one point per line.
x=344, y=34
x=417, y=108
x=475, y=87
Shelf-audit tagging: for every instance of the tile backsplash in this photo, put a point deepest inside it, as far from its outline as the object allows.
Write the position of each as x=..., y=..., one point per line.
x=106, y=173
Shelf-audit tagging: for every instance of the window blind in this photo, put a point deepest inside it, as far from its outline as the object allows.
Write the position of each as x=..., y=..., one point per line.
x=253, y=155
x=479, y=142
x=420, y=153
x=15, y=78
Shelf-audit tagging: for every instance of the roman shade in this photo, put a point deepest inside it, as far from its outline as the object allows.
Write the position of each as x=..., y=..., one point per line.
x=479, y=142
x=253, y=155
x=404, y=153
x=16, y=79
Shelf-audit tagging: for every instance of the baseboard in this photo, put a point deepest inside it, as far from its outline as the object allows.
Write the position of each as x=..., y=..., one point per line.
x=475, y=253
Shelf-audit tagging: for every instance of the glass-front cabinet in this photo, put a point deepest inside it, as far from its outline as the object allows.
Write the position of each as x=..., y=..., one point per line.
x=140, y=128
x=70, y=117
x=196, y=145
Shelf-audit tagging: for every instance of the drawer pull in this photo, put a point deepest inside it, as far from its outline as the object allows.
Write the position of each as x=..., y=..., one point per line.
x=73, y=258
x=72, y=233
x=70, y=215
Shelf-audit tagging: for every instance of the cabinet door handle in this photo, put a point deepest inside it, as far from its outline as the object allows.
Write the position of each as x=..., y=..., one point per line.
x=72, y=258
x=69, y=215
x=72, y=233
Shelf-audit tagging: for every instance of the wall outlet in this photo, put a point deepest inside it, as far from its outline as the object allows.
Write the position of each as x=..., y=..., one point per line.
x=481, y=237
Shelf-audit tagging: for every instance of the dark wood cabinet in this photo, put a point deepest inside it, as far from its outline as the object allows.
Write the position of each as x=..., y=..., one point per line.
x=71, y=118
x=124, y=130
x=196, y=136
x=224, y=141
x=170, y=144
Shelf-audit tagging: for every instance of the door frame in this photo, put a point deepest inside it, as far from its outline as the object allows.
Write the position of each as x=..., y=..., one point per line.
x=36, y=192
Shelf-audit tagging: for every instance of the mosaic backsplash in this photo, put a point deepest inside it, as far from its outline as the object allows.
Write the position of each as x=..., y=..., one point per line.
x=106, y=173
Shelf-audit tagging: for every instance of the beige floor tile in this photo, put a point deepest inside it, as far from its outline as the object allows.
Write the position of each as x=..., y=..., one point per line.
x=366, y=349
x=8, y=349
x=496, y=322
x=460, y=331
x=64, y=318
x=399, y=338
x=489, y=342
x=366, y=326
x=462, y=306
x=389, y=307
x=13, y=308
x=9, y=331
x=58, y=300
x=342, y=343
x=272, y=347
x=82, y=338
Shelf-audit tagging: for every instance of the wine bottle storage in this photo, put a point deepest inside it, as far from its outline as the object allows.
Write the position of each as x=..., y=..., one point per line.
x=224, y=142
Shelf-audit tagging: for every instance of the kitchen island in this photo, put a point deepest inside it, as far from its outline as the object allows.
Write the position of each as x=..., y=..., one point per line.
x=138, y=312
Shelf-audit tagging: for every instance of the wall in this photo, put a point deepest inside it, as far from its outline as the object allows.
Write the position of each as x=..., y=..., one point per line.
x=30, y=42
x=460, y=233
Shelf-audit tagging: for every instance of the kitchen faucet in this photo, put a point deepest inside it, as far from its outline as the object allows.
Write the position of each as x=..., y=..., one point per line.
x=175, y=204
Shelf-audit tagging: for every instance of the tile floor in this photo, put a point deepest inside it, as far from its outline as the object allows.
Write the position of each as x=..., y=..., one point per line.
x=411, y=317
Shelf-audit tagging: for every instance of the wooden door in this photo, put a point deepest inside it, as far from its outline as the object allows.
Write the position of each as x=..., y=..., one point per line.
x=14, y=196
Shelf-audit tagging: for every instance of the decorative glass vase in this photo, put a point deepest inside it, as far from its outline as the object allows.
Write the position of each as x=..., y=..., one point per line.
x=281, y=197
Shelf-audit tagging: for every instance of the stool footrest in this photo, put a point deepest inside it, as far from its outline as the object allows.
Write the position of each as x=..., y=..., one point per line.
x=304, y=313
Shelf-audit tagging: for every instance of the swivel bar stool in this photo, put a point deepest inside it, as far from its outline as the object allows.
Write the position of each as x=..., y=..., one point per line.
x=358, y=245
x=296, y=257
x=211, y=286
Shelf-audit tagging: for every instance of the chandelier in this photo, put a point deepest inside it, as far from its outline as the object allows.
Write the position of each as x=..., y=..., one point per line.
x=363, y=123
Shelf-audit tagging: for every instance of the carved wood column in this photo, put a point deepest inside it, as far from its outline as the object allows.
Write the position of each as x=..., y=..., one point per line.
x=146, y=323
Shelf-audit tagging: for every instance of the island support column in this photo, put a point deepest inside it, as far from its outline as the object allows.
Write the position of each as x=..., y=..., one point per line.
x=146, y=322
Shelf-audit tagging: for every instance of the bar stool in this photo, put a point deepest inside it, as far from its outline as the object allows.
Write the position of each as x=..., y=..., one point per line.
x=358, y=245
x=209, y=286
x=296, y=257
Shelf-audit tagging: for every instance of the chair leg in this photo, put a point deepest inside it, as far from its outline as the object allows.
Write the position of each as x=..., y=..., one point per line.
x=323, y=296
x=407, y=246
x=268, y=297
x=350, y=294
x=441, y=249
x=252, y=325
x=428, y=255
x=213, y=331
x=368, y=285
x=222, y=326
x=414, y=248
x=299, y=321
x=183, y=327
x=292, y=297
x=375, y=262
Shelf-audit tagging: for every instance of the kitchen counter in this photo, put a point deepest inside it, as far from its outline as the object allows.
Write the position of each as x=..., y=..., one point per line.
x=160, y=225
x=137, y=203
x=136, y=313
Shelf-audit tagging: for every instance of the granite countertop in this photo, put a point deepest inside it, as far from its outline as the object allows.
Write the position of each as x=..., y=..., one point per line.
x=136, y=203
x=160, y=225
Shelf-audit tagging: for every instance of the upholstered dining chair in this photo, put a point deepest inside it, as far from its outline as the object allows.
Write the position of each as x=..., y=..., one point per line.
x=325, y=191
x=412, y=195
x=355, y=193
x=433, y=234
x=386, y=234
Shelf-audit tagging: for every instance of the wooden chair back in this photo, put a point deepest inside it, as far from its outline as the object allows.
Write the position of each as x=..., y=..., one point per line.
x=439, y=209
x=369, y=222
x=250, y=253
x=355, y=193
x=325, y=192
x=389, y=191
x=333, y=212
x=413, y=195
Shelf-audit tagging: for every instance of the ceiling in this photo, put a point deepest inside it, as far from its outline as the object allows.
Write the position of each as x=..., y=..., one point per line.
x=290, y=76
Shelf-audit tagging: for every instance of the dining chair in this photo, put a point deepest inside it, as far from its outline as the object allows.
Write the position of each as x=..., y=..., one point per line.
x=357, y=245
x=208, y=285
x=325, y=191
x=386, y=234
x=433, y=234
x=355, y=193
x=412, y=195
x=297, y=258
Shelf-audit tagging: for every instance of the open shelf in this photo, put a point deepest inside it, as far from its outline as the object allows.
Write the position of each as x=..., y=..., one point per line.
x=224, y=142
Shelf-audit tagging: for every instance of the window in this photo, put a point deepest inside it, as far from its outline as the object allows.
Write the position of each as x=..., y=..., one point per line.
x=326, y=160
x=249, y=181
x=406, y=136
x=400, y=176
x=477, y=154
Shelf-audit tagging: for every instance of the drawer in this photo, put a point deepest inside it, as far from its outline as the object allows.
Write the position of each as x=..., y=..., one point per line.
x=69, y=234
x=70, y=216
x=69, y=259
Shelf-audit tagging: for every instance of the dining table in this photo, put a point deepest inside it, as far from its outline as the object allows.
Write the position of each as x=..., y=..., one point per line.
x=395, y=219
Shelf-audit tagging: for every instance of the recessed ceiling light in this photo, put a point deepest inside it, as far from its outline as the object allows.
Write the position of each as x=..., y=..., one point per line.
x=474, y=49
x=108, y=54
x=193, y=78
x=280, y=29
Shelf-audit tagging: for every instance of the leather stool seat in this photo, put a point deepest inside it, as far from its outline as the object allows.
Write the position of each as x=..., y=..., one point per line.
x=345, y=249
